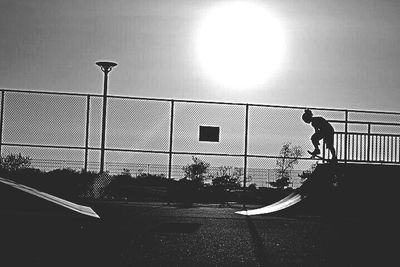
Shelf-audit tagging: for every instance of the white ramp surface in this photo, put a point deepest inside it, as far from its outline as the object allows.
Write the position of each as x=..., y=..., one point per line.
x=288, y=201
x=59, y=201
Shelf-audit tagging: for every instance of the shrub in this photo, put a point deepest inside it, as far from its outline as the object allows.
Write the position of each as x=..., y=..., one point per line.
x=13, y=162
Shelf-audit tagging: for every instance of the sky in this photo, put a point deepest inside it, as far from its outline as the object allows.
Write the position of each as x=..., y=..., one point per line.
x=337, y=54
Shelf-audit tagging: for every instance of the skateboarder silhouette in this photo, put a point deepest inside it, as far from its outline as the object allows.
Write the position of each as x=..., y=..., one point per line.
x=323, y=130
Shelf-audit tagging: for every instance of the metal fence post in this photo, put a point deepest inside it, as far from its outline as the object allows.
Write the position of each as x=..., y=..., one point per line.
x=246, y=126
x=346, y=135
x=369, y=142
x=1, y=120
x=171, y=129
x=87, y=132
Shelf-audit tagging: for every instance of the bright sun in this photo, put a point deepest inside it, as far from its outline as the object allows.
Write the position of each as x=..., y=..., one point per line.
x=240, y=45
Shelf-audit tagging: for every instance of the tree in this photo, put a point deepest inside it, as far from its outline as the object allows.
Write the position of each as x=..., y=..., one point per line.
x=196, y=171
x=225, y=181
x=288, y=157
x=13, y=162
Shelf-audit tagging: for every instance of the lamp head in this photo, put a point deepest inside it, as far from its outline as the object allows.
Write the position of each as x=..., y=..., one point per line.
x=106, y=66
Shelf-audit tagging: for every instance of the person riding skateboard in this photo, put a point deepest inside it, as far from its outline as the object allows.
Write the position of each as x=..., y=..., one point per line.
x=323, y=130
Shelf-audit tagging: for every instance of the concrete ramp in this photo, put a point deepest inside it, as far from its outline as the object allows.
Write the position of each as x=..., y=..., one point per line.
x=50, y=198
x=288, y=201
x=313, y=186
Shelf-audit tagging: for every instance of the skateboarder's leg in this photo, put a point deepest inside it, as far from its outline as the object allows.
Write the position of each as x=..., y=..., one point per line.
x=329, y=144
x=315, y=141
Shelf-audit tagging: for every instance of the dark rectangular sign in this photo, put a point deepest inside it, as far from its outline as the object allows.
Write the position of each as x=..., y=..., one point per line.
x=209, y=134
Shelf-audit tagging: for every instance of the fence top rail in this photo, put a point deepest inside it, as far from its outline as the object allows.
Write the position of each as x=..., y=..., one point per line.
x=45, y=92
x=368, y=134
x=198, y=101
x=366, y=122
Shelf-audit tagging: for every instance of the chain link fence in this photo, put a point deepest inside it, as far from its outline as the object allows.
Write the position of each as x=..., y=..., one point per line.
x=160, y=136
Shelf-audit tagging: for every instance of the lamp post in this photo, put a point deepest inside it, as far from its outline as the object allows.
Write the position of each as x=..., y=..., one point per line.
x=106, y=67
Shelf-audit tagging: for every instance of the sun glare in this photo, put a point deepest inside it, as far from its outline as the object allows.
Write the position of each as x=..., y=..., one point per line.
x=240, y=45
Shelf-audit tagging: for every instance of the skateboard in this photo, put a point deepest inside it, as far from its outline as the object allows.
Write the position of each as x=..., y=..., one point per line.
x=313, y=156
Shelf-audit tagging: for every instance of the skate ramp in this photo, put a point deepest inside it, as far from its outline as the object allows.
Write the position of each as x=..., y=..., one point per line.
x=358, y=190
x=286, y=202
x=15, y=196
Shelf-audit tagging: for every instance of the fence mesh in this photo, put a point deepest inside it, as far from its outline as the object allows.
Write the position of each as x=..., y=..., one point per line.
x=43, y=119
x=160, y=136
x=138, y=124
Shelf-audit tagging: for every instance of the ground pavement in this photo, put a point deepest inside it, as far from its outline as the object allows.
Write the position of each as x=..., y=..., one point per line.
x=157, y=234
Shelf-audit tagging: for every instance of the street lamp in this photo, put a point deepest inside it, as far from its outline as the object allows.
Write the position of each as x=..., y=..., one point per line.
x=106, y=67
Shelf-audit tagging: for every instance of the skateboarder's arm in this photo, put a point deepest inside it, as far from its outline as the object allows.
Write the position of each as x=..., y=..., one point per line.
x=316, y=129
x=315, y=123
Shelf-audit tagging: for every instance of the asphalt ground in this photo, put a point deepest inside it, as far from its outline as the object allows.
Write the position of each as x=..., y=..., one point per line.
x=157, y=234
